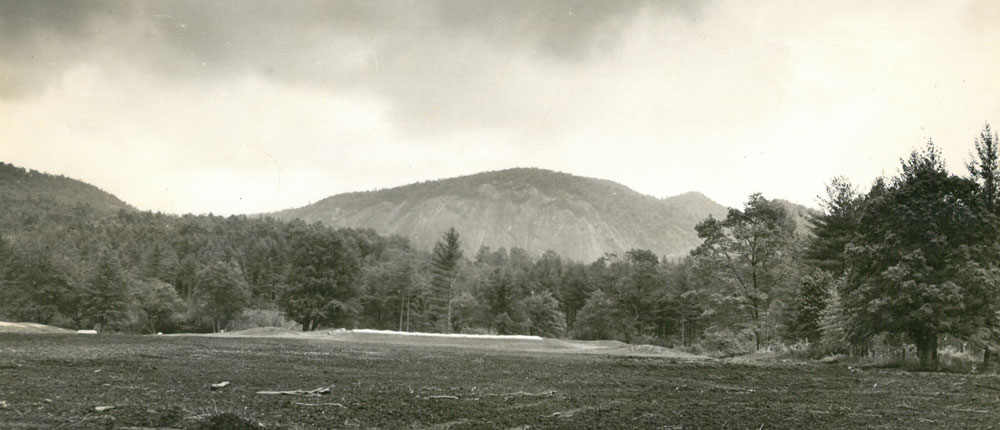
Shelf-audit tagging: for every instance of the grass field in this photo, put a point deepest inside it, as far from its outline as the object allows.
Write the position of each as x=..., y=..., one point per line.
x=57, y=381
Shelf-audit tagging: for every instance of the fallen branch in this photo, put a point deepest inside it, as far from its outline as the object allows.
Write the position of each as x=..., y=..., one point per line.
x=316, y=392
x=319, y=404
x=442, y=397
x=569, y=413
x=222, y=384
x=971, y=410
x=525, y=394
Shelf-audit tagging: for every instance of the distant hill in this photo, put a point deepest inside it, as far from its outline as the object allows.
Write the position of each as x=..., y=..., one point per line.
x=802, y=216
x=25, y=192
x=534, y=209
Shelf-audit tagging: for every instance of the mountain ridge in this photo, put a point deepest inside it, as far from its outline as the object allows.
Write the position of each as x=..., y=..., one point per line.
x=578, y=217
x=26, y=186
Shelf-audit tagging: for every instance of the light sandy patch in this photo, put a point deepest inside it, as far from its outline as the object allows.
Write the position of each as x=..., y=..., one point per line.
x=26, y=327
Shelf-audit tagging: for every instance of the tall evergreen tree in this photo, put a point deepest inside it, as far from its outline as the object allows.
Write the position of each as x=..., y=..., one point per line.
x=444, y=266
x=834, y=228
x=107, y=296
x=825, y=251
x=985, y=170
x=810, y=305
x=919, y=264
x=985, y=167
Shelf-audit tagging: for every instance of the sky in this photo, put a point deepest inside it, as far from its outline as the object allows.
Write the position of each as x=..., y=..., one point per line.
x=236, y=107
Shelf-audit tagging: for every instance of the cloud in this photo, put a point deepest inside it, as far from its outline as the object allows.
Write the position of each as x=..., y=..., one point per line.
x=437, y=62
x=207, y=106
x=42, y=38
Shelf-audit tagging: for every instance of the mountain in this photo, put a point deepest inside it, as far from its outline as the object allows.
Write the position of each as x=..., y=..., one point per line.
x=29, y=193
x=802, y=216
x=534, y=209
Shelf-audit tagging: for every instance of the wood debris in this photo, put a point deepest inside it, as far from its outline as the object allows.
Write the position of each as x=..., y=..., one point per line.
x=316, y=392
x=222, y=384
x=548, y=393
x=319, y=404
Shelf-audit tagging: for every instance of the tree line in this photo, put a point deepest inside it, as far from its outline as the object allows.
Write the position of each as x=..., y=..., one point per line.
x=911, y=261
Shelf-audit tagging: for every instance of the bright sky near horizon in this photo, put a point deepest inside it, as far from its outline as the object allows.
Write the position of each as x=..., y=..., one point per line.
x=253, y=106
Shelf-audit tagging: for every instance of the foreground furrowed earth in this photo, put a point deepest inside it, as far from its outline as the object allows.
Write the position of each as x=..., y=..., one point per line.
x=69, y=381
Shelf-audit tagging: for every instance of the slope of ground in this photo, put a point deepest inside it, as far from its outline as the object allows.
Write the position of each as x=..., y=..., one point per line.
x=109, y=381
x=802, y=215
x=533, y=209
x=31, y=200
x=489, y=342
x=29, y=328
x=30, y=187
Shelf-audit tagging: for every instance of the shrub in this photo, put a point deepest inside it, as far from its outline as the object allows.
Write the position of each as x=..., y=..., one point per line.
x=254, y=318
x=726, y=342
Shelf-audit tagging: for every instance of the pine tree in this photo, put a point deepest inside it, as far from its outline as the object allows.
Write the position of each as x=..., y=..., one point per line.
x=985, y=167
x=107, y=296
x=444, y=267
x=985, y=170
x=832, y=322
x=835, y=228
x=917, y=266
x=810, y=305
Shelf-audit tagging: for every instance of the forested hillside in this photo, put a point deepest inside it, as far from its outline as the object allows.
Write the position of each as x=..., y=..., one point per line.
x=29, y=193
x=533, y=209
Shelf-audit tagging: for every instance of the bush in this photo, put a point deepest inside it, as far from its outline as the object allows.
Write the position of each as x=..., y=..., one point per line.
x=254, y=318
x=504, y=325
x=726, y=342
x=156, y=307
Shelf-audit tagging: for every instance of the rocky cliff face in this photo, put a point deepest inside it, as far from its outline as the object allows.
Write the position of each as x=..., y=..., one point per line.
x=537, y=210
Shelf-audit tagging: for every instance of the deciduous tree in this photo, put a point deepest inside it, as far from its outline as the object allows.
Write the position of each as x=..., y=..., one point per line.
x=223, y=292
x=322, y=280
x=542, y=316
x=751, y=251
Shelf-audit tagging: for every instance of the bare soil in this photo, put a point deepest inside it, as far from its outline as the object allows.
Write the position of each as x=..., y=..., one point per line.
x=58, y=381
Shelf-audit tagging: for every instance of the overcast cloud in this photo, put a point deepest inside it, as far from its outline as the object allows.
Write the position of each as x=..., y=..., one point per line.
x=236, y=107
